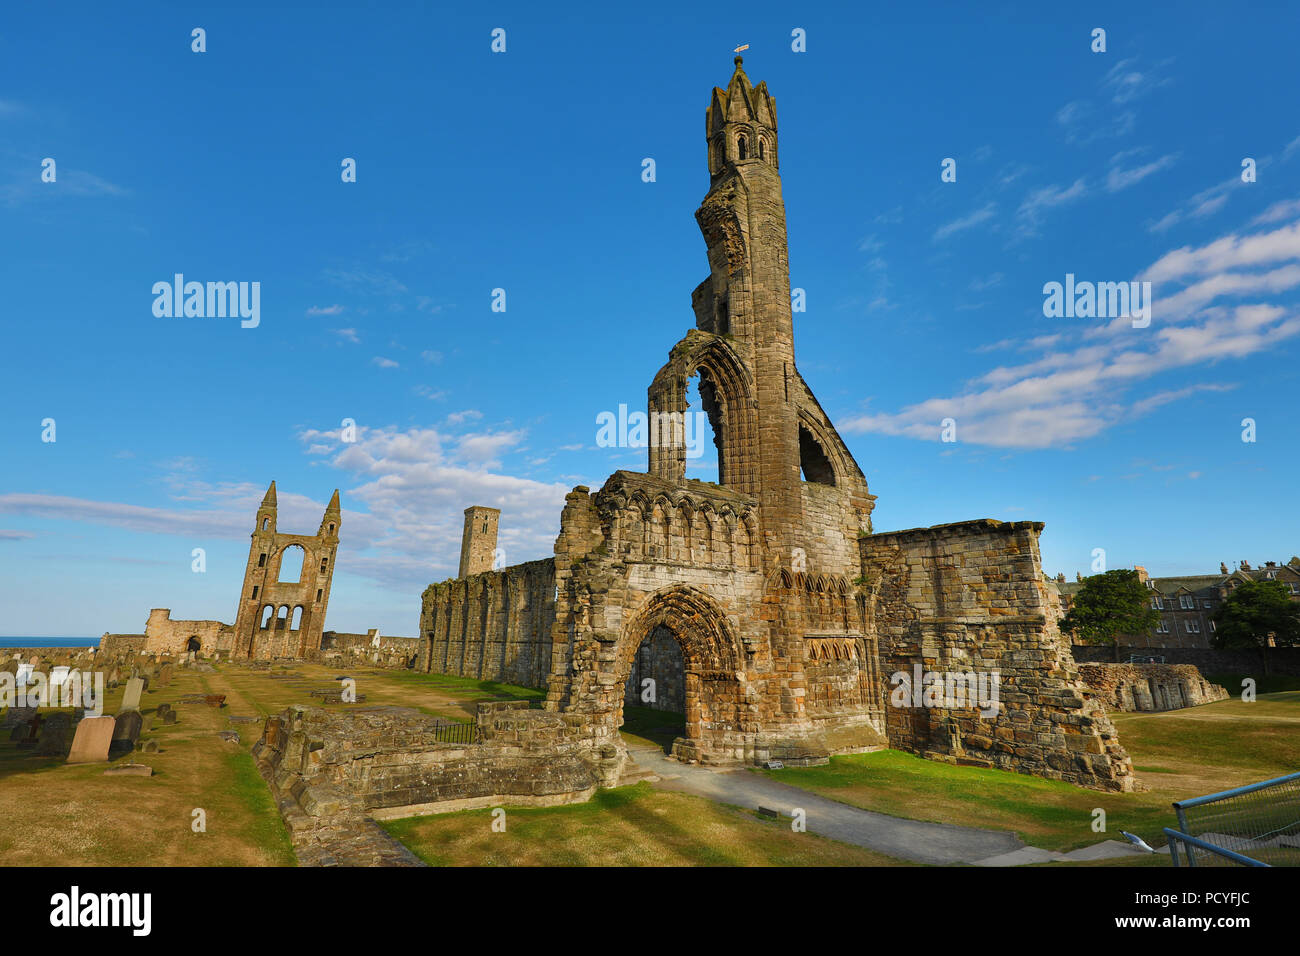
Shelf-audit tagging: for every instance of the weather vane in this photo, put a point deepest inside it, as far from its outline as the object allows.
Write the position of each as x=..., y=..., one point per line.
x=741, y=49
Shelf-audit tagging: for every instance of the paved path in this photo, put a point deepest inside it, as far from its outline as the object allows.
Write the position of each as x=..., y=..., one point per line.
x=915, y=840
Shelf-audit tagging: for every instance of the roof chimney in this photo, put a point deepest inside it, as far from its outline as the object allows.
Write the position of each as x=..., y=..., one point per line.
x=1245, y=565
x=1223, y=567
x=1142, y=573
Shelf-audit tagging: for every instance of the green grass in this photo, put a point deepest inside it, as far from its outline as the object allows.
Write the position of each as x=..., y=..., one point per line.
x=643, y=725
x=1177, y=754
x=628, y=826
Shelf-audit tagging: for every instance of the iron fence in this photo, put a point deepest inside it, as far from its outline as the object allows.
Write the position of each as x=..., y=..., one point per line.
x=450, y=732
x=1255, y=825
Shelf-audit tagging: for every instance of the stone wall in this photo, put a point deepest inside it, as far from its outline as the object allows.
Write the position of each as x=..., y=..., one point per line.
x=1281, y=660
x=970, y=597
x=165, y=636
x=1150, y=687
x=372, y=648
x=491, y=626
x=334, y=772
x=119, y=645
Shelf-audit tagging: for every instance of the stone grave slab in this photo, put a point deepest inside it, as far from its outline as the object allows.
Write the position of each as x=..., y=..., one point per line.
x=92, y=740
x=131, y=699
x=126, y=732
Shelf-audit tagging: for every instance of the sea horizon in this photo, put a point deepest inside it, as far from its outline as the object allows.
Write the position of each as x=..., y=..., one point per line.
x=6, y=642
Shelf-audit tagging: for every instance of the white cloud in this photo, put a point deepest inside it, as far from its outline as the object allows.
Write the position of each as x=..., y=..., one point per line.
x=1088, y=379
x=324, y=310
x=384, y=362
x=966, y=222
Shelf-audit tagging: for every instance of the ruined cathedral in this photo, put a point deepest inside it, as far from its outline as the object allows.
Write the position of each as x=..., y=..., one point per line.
x=765, y=607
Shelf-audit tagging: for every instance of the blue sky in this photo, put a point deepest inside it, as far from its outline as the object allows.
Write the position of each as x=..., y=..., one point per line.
x=522, y=170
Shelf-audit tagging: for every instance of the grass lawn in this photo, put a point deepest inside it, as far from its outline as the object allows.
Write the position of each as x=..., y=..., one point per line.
x=630, y=826
x=1178, y=754
x=54, y=814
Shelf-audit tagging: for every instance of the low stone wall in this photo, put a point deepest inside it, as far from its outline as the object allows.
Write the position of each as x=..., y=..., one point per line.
x=118, y=645
x=371, y=648
x=1281, y=660
x=333, y=773
x=1150, y=687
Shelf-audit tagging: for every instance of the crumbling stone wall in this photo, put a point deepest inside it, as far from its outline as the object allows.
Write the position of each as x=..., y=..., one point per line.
x=971, y=597
x=165, y=636
x=1150, y=687
x=333, y=772
x=118, y=645
x=491, y=626
x=372, y=648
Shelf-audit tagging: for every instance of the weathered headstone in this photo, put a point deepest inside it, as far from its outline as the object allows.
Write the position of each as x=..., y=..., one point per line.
x=165, y=675
x=126, y=732
x=163, y=710
x=93, y=738
x=32, y=732
x=55, y=735
x=131, y=699
x=149, y=747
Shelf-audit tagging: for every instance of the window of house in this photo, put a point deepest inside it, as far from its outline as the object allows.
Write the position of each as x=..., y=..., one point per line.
x=1193, y=627
x=1211, y=627
x=1155, y=604
x=1185, y=602
x=1163, y=628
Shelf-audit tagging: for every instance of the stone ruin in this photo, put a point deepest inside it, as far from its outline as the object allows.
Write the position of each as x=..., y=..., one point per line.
x=1150, y=687
x=791, y=615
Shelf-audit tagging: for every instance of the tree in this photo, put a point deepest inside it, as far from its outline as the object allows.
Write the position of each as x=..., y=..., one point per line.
x=1110, y=605
x=1254, y=612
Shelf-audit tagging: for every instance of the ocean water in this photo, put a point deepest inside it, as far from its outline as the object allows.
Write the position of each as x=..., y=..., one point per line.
x=49, y=641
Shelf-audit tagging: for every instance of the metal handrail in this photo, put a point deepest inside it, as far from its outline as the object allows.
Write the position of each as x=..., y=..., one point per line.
x=1176, y=835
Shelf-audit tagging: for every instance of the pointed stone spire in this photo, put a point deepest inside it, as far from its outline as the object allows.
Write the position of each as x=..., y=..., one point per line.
x=329, y=523
x=269, y=500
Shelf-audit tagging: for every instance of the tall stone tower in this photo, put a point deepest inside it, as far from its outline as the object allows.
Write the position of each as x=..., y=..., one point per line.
x=286, y=585
x=478, y=542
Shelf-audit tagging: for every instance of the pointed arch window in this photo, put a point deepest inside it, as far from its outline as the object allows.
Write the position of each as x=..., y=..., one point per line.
x=742, y=148
x=762, y=148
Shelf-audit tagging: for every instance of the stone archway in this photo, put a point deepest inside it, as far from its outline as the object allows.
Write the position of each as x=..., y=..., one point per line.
x=710, y=665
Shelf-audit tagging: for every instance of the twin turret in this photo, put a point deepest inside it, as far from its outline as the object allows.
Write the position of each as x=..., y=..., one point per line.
x=329, y=522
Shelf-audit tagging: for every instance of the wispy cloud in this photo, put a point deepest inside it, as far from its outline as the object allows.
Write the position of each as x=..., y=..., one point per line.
x=983, y=214
x=1086, y=380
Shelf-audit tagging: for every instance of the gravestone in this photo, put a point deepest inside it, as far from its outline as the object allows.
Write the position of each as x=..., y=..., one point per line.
x=163, y=710
x=92, y=741
x=17, y=716
x=149, y=747
x=126, y=732
x=56, y=736
x=164, y=675
x=131, y=699
x=32, y=730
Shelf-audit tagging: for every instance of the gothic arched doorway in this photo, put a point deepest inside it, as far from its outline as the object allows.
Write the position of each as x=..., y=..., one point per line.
x=706, y=682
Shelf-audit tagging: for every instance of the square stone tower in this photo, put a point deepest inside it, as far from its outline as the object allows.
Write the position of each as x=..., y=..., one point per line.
x=478, y=542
